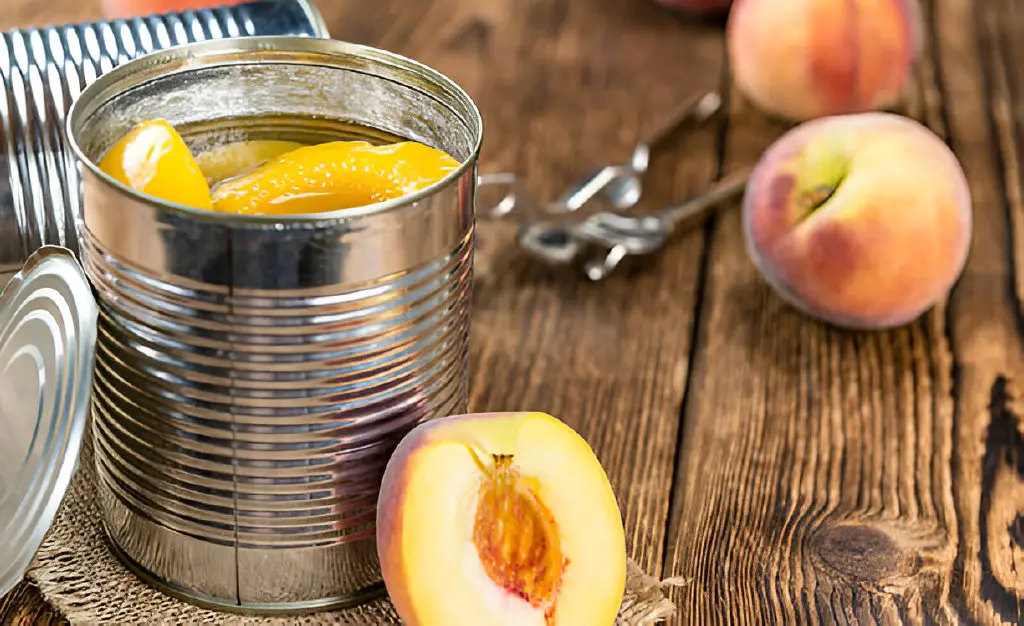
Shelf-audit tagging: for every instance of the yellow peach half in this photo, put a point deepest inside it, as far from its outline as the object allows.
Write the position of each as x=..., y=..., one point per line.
x=504, y=519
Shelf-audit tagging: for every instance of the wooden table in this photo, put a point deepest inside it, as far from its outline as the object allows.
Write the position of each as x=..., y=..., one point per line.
x=795, y=472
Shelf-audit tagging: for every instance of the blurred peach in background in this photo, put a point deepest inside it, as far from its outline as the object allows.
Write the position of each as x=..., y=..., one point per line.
x=129, y=8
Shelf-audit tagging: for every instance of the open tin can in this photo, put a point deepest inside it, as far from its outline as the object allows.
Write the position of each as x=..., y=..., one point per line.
x=253, y=374
x=42, y=70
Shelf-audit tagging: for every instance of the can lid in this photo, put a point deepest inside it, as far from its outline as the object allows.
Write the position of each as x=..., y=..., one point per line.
x=47, y=345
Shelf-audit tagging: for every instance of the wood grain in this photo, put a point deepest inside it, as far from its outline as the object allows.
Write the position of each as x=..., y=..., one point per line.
x=986, y=314
x=28, y=13
x=843, y=477
x=24, y=606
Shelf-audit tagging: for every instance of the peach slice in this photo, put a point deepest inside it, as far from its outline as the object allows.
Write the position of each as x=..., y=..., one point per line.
x=153, y=159
x=333, y=176
x=500, y=519
x=239, y=157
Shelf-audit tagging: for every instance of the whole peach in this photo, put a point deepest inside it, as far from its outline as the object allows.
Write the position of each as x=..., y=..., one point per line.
x=800, y=59
x=862, y=220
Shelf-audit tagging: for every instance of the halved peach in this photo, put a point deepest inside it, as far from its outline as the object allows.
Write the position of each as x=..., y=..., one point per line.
x=500, y=519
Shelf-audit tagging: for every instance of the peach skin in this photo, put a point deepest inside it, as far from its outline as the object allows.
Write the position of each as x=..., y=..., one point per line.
x=800, y=59
x=504, y=519
x=130, y=8
x=862, y=220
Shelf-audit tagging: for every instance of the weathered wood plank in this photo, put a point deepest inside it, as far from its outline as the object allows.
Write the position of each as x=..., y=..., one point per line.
x=24, y=606
x=27, y=13
x=977, y=75
x=817, y=463
x=868, y=477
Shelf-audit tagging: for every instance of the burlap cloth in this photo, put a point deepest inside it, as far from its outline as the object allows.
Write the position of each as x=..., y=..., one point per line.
x=80, y=576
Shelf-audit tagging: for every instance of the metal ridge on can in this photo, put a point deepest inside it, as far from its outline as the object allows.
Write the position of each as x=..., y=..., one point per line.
x=43, y=70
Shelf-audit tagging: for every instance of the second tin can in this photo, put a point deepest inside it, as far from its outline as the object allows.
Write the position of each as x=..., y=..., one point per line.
x=254, y=373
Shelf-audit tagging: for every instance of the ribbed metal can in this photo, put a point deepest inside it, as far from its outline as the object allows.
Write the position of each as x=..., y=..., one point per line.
x=42, y=71
x=254, y=373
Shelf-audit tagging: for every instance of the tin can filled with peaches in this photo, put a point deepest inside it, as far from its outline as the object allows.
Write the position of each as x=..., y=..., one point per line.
x=279, y=233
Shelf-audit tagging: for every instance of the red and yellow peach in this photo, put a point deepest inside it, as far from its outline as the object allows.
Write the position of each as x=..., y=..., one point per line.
x=130, y=8
x=800, y=59
x=862, y=220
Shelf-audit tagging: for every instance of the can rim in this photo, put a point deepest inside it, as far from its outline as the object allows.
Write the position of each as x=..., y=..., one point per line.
x=191, y=56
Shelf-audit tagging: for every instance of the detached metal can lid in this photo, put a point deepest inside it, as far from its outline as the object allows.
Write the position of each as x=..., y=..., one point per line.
x=47, y=348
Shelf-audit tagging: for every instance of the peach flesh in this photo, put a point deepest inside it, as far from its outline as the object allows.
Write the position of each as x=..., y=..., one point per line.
x=861, y=220
x=800, y=59
x=504, y=519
